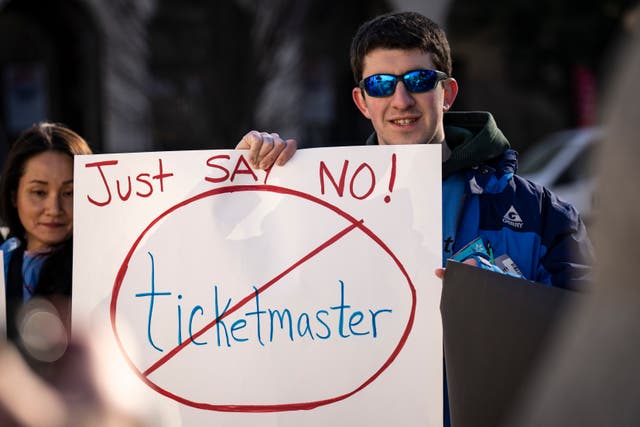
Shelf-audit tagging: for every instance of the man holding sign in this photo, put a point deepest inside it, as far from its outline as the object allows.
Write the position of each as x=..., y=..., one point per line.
x=401, y=63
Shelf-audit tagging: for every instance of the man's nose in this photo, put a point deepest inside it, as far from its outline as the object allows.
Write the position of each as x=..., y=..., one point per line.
x=402, y=98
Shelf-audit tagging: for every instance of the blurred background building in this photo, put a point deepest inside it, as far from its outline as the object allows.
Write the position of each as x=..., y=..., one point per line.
x=134, y=75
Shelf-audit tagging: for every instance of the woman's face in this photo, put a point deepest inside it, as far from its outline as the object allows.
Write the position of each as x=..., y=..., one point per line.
x=45, y=199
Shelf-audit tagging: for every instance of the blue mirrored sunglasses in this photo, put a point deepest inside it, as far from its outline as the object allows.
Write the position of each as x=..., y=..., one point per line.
x=416, y=81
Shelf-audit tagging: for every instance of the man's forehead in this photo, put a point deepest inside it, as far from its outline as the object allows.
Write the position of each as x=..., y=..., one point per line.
x=395, y=61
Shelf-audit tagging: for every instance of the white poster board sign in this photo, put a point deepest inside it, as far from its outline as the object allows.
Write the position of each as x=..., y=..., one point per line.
x=301, y=296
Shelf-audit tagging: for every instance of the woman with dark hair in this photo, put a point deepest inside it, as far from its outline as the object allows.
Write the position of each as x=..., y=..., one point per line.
x=36, y=204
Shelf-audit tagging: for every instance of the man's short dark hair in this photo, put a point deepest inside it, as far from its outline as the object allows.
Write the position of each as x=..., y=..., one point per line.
x=400, y=30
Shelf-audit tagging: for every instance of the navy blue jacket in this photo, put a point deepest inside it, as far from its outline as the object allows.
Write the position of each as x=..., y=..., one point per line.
x=542, y=234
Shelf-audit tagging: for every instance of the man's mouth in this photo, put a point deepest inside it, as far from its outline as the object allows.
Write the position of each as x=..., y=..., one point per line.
x=403, y=122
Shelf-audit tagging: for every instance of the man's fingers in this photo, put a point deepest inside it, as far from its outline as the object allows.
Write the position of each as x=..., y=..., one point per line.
x=252, y=142
x=258, y=144
x=439, y=272
x=290, y=147
x=267, y=149
x=248, y=140
x=281, y=153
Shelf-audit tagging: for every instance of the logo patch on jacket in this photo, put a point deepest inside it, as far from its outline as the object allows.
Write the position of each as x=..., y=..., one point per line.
x=513, y=218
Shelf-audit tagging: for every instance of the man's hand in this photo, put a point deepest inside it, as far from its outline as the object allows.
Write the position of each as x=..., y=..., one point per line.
x=267, y=149
x=439, y=272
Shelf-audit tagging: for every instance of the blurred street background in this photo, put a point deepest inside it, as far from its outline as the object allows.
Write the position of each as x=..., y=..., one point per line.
x=141, y=75
x=137, y=75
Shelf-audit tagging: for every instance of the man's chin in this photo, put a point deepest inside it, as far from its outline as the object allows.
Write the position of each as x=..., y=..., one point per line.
x=403, y=141
x=404, y=138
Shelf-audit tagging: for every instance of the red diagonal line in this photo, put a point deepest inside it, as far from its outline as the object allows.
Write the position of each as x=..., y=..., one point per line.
x=250, y=297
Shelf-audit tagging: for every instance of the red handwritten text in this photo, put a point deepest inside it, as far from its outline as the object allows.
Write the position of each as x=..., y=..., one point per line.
x=366, y=185
x=143, y=186
x=226, y=170
x=362, y=182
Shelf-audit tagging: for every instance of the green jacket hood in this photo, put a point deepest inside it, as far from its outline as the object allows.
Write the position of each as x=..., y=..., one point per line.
x=473, y=138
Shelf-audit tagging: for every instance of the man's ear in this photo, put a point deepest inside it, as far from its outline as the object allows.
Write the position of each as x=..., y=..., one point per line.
x=357, y=95
x=450, y=93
